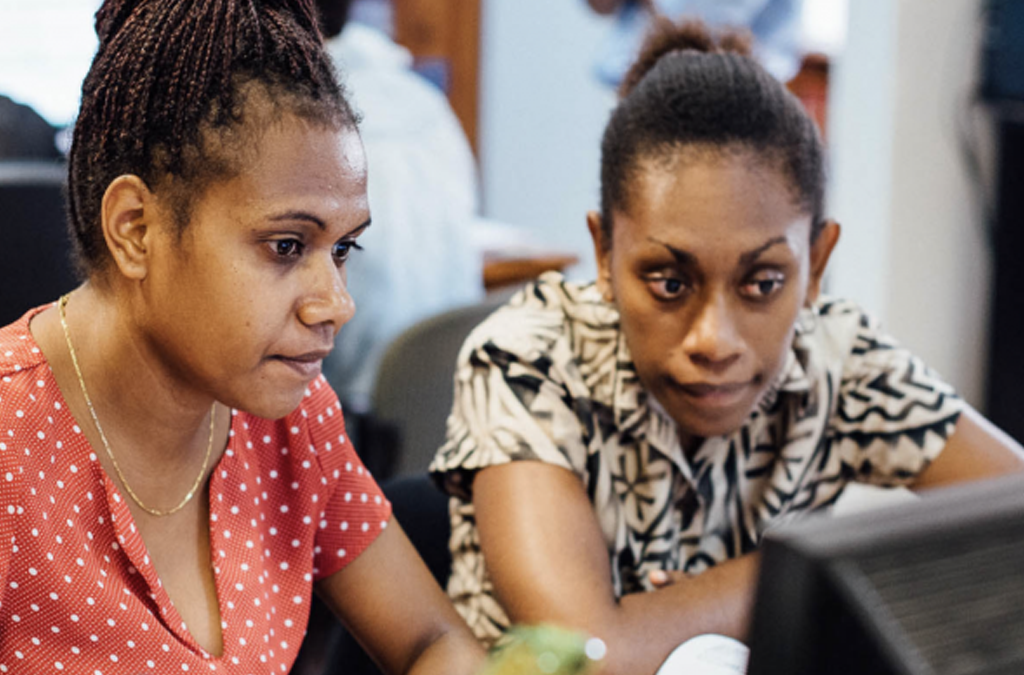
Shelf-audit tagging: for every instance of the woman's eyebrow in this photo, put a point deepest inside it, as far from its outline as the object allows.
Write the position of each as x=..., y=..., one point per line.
x=682, y=257
x=752, y=255
x=309, y=217
x=359, y=230
x=300, y=215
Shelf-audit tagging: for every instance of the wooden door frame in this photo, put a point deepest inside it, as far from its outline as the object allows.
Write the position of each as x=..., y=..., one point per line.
x=448, y=30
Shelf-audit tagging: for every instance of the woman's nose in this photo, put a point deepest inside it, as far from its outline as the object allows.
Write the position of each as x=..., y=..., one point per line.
x=328, y=302
x=713, y=339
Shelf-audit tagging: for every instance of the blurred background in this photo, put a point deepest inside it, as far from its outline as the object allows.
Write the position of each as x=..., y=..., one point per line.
x=920, y=128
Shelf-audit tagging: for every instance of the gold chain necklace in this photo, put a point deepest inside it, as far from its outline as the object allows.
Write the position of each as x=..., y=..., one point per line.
x=106, y=446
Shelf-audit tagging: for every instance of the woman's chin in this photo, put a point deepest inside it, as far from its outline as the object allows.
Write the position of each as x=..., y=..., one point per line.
x=704, y=425
x=270, y=407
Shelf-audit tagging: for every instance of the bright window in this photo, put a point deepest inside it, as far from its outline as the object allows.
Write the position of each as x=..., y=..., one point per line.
x=46, y=47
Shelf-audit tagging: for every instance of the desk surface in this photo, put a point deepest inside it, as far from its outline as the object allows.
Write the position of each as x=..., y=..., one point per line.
x=500, y=271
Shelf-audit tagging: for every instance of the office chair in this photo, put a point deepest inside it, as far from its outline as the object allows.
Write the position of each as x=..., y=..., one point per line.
x=414, y=389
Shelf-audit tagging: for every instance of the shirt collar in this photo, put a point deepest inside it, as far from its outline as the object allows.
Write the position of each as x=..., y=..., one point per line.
x=630, y=397
x=795, y=377
x=801, y=369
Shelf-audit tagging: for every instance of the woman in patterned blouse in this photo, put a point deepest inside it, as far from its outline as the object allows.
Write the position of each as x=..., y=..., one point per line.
x=641, y=433
x=175, y=478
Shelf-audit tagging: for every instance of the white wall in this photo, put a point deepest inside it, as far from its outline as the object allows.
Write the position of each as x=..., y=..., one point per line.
x=542, y=112
x=861, y=130
x=913, y=248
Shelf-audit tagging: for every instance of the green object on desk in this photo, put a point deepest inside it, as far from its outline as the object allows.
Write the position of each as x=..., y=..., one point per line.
x=545, y=650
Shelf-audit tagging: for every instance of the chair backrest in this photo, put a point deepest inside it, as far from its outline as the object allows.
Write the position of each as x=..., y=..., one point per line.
x=35, y=258
x=413, y=391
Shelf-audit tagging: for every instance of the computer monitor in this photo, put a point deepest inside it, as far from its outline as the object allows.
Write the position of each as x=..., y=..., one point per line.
x=933, y=587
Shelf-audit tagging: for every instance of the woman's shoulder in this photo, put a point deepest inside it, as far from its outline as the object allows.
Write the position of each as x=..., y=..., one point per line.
x=579, y=300
x=28, y=392
x=889, y=414
x=840, y=332
x=872, y=369
x=842, y=315
x=542, y=313
x=18, y=349
x=31, y=405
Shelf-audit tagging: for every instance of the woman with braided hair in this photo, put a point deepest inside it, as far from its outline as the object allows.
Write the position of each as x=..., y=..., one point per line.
x=617, y=450
x=175, y=477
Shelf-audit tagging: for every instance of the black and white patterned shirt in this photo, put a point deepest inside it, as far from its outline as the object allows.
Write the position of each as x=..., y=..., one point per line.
x=549, y=378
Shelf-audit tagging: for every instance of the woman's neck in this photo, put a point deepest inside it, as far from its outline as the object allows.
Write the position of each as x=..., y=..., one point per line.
x=152, y=418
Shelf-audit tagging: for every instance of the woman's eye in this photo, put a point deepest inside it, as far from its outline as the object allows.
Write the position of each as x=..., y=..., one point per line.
x=667, y=288
x=343, y=249
x=763, y=287
x=287, y=248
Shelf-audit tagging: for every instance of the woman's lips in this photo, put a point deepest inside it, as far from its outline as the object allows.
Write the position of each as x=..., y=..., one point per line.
x=714, y=395
x=308, y=365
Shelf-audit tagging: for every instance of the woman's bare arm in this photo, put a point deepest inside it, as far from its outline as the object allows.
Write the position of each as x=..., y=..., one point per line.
x=389, y=601
x=977, y=449
x=549, y=562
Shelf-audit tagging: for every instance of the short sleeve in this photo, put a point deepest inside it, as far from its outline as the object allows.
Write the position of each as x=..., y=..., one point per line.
x=893, y=414
x=356, y=511
x=517, y=397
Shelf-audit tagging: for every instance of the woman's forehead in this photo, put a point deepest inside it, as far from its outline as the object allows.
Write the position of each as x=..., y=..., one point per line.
x=711, y=172
x=295, y=167
x=295, y=153
x=724, y=197
x=724, y=190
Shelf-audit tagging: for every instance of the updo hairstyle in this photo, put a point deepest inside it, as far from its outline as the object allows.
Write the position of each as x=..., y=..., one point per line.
x=689, y=92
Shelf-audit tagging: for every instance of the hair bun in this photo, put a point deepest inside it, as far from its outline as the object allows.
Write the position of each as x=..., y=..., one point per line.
x=666, y=37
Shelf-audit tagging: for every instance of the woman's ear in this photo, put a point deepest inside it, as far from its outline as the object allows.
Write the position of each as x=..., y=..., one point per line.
x=127, y=208
x=821, y=251
x=603, y=255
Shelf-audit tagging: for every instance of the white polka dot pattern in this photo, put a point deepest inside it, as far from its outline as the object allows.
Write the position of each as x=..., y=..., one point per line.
x=290, y=503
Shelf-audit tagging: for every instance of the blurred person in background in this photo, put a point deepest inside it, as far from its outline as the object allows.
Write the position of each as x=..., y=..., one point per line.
x=419, y=259
x=774, y=25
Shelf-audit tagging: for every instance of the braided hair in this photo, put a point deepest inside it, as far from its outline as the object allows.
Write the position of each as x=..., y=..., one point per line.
x=166, y=98
x=687, y=91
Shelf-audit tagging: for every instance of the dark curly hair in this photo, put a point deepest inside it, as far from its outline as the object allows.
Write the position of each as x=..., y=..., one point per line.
x=688, y=90
x=166, y=98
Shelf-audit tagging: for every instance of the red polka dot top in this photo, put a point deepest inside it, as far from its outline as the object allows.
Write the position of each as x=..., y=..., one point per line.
x=290, y=503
